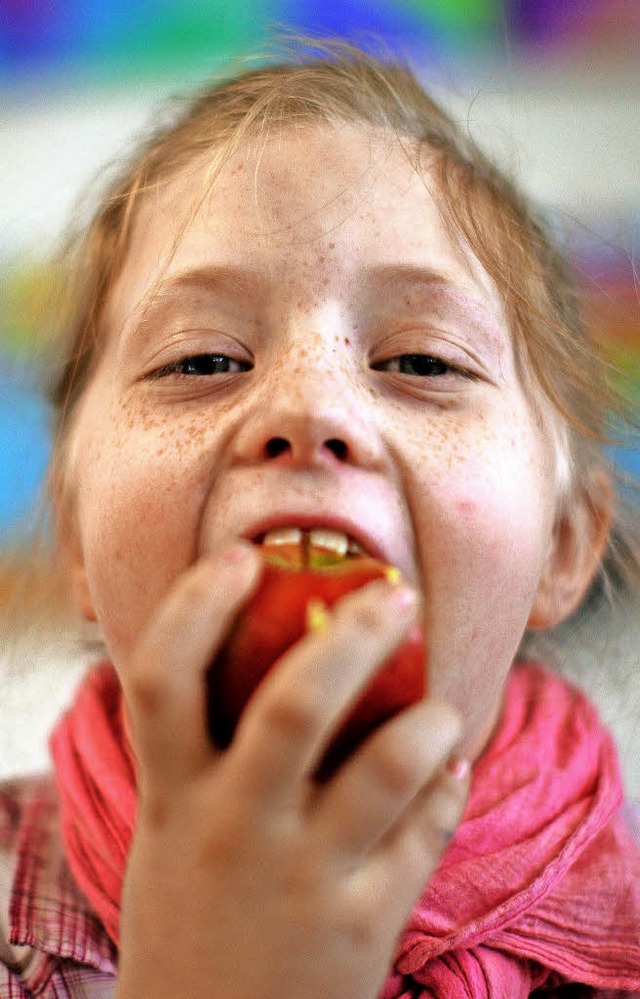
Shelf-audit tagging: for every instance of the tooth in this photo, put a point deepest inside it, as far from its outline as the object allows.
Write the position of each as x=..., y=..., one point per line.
x=334, y=541
x=283, y=536
x=354, y=548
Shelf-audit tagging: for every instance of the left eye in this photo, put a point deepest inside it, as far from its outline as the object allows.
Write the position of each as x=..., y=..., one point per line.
x=204, y=364
x=423, y=365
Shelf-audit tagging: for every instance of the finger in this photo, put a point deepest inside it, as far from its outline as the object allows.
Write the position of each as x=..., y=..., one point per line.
x=288, y=722
x=165, y=687
x=405, y=860
x=374, y=789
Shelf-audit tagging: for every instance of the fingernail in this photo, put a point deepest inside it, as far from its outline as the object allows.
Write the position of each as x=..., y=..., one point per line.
x=459, y=767
x=234, y=554
x=404, y=597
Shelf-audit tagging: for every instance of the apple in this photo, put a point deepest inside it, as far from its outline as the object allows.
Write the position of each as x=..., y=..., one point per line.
x=287, y=604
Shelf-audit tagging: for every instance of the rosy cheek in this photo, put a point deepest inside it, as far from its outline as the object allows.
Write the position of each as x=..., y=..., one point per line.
x=466, y=508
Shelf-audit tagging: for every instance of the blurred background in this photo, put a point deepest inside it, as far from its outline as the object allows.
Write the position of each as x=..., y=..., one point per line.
x=551, y=88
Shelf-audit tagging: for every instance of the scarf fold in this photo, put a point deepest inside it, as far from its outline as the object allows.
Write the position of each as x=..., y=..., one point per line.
x=541, y=879
x=96, y=782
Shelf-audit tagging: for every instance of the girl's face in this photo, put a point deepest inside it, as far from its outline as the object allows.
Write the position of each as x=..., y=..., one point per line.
x=316, y=348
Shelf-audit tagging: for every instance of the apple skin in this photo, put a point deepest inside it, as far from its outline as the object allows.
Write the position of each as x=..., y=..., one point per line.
x=274, y=619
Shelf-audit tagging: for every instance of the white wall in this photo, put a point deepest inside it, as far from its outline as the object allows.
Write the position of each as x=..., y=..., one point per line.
x=572, y=137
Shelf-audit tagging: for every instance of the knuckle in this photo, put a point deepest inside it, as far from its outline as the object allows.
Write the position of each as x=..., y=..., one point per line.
x=299, y=879
x=425, y=847
x=397, y=771
x=192, y=588
x=294, y=713
x=144, y=692
x=446, y=812
x=362, y=928
x=227, y=844
x=368, y=618
x=154, y=810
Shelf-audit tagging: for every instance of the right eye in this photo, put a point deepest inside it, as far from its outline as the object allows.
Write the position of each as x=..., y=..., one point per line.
x=203, y=365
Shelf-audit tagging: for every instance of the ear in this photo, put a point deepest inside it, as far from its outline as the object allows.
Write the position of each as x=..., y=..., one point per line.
x=580, y=538
x=70, y=546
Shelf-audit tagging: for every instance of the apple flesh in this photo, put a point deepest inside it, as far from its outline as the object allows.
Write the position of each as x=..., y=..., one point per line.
x=287, y=604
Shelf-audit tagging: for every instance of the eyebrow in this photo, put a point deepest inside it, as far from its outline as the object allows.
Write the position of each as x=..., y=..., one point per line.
x=240, y=281
x=213, y=279
x=412, y=274
x=235, y=278
x=433, y=282
x=440, y=288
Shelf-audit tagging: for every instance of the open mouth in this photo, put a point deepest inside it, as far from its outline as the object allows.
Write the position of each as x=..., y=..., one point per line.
x=296, y=548
x=309, y=569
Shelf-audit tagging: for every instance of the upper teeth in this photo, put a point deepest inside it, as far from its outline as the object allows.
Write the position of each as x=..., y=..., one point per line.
x=318, y=537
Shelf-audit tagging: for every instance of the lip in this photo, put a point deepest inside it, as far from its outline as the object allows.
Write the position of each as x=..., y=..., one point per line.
x=307, y=522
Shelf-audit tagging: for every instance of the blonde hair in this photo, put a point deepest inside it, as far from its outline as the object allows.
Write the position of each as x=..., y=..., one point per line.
x=336, y=84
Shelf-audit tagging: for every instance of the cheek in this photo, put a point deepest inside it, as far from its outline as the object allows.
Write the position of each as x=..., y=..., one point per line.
x=140, y=490
x=484, y=552
x=484, y=530
x=488, y=500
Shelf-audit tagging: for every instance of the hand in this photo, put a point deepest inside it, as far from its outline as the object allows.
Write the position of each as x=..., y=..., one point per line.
x=246, y=878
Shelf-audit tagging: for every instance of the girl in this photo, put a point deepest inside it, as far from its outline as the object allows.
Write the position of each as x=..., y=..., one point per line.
x=309, y=304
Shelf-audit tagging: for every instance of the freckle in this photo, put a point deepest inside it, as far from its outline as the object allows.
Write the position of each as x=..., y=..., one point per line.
x=332, y=246
x=466, y=506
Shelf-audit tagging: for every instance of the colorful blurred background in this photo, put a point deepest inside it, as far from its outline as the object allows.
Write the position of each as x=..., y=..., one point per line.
x=550, y=87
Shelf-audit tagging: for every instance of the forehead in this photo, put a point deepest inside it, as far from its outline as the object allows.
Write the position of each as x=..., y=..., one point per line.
x=332, y=205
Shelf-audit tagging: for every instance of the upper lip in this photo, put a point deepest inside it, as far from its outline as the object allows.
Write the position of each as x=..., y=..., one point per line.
x=308, y=522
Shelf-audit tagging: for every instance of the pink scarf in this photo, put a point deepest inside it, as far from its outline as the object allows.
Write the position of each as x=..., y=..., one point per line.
x=541, y=883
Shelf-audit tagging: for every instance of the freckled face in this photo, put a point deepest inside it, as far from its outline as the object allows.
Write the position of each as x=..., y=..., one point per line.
x=316, y=343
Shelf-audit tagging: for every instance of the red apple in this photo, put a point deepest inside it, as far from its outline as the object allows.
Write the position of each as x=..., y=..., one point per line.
x=280, y=612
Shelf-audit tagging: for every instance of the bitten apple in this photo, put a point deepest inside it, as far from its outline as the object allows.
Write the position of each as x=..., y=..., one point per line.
x=287, y=604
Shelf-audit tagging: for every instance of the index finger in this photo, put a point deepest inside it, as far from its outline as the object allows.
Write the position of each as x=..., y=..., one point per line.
x=297, y=707
x=165, y=686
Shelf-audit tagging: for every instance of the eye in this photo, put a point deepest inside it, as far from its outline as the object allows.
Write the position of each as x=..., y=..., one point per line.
x=199, y=365
x=420, y=365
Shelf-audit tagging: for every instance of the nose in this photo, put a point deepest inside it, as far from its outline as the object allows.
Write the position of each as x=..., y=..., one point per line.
x=311, y=418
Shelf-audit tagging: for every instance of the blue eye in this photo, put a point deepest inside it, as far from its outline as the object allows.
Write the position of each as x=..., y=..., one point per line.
x=199, y=365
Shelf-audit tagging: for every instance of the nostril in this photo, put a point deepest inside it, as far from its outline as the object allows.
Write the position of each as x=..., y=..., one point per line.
x=276, y=446
x=338, y=447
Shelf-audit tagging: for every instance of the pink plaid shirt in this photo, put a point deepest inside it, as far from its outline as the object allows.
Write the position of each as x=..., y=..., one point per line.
x=52, y=944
